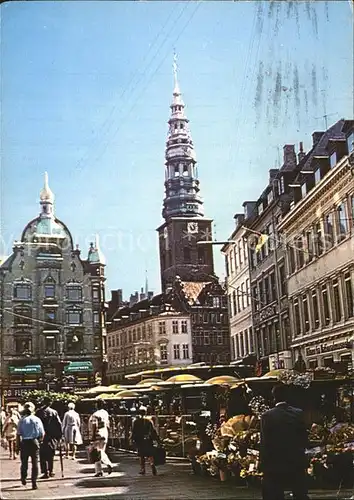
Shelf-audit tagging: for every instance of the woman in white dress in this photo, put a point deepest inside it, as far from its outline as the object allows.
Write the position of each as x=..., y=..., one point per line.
x=71, y=430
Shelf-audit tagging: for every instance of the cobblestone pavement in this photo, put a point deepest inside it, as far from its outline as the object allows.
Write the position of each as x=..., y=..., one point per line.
x=173, y=482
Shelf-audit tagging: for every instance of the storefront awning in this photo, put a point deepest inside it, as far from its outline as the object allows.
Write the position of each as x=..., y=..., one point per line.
x=13, y=370
x=79, y=366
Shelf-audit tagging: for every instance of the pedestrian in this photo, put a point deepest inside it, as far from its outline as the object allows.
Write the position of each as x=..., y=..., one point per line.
x=53, y=433
x=9, y=432
x=30, y=432
x=282, y=453
x=143, y=436
x=71, y=430
x=99, y=428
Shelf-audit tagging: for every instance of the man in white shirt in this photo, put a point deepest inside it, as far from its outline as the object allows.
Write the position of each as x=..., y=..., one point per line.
x=99, y=426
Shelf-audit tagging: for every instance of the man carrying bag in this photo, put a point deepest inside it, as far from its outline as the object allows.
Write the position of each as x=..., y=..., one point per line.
x=144, y=435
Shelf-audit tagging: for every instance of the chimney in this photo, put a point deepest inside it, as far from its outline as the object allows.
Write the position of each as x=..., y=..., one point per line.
x=272, y=174
x=289, y=156
x=301, y=153
x=316, y=136
x=239, y=218
x=249, y=207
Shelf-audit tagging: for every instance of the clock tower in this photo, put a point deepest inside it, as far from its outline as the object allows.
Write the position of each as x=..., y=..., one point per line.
x=183, y=211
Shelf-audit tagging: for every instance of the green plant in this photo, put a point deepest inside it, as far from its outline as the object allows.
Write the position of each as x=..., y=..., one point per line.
x=37, y=397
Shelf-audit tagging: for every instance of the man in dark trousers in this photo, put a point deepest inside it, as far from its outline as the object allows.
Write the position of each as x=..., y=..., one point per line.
x=53, y=433
x=282, y=454
x=29, y=434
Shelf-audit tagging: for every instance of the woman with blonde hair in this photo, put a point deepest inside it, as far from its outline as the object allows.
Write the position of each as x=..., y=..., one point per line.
x=9, y=432
x=71, y=430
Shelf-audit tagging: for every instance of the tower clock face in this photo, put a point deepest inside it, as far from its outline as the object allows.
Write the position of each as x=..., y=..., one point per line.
x=192, y=227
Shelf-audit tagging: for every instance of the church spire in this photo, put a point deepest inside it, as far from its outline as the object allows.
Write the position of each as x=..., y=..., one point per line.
x=46, y=198
x=181, y=182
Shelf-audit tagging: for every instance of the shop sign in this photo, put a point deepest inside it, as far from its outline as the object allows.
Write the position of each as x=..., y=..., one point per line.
x=13, y=393
x=325, y=348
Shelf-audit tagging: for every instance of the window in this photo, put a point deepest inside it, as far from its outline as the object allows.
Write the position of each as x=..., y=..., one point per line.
x=50, y=316
x=176, y=171
x=333, y=159
x=184, y=326
x=162, y=328
x=49, y=291
x=350, y=143
x=270, y=197
x=303, y=190
x=185, y=351
x=329, y=230
x=342, y=221
x=22, y=316
x=243, y=296
x=300, y=251
x=96, y=317
x=95, y=293
x=185, y=167
x=163, y=353
x=201, y=255
x=251, y=340
x=240, y=252
x=74, y=317
x=318, y=239
x=337, y=303
x=231, y=262
x=317, y=175
x=297, y=325
x=234, y=306
x=255, y=297
x=306, y=313
x=271, y=239
x=309, y=245
x=74, y=293
x=216, y=302
x=272, y=287
x=186, y=254
x=282, y=185
x=291, y=257
x=325, y=304
x=237, y=261
x=174, y=326
x=247, y=347
x=238, y=309
x=23, y=346
x=316, y=314
x=248, y=292
x=266, y=290
x=23, y=291
x=50, y=345
x=227, y=265
x=241, y=345
x=349, y=295
x=282, y=286
x=176, y=351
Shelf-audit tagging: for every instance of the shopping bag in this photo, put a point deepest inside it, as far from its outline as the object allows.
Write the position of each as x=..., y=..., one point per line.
x=159, y=455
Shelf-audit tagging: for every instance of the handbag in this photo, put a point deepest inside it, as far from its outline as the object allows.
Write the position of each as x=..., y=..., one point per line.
x=93, y=454
x=159, y=455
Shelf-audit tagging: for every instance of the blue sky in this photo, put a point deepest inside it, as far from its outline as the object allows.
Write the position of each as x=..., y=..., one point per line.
x=86, y=89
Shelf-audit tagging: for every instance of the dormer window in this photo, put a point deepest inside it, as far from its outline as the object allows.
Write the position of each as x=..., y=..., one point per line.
x=350, y=143
x=317, y=175
x=303, y=189
x=270, y=197
x=282, y=185
x=260, y=208
x=333, y=159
